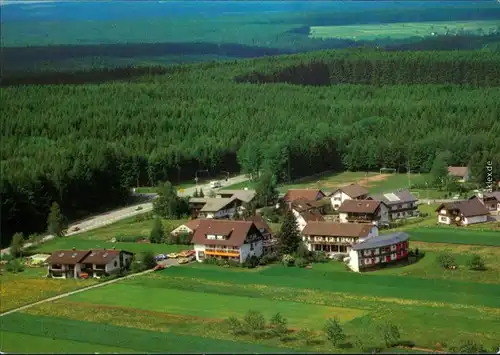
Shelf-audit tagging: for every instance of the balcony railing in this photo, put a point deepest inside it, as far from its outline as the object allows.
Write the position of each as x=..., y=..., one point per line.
x=366, y=217
x=222, y=252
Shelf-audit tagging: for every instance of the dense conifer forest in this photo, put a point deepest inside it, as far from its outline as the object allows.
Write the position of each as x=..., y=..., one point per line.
x=85, y=145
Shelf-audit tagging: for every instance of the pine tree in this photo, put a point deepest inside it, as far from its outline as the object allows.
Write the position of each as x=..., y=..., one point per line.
x=200, y=193
x=157, y=234
x=56, y=221
x=167, y=203
x=196, y=194
x=266, y=192
x=289, y=236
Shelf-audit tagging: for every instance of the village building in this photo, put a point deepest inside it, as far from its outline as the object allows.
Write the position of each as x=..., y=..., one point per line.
x=376, y=252
x=227, y=239
x=245, y=196
x=74, y=263
x=305, y=217
x=269, y=241
x=462, y=213
x=402, y=204
x=187, y=228
x=364, y=211
x=490, y=200
x=213, y=207
x=303, y=194
x=459, y=172
x=349, y=192
x=334, y=237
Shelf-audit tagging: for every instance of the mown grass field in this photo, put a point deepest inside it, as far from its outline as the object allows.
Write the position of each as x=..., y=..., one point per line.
x=401, y=30
x=375, y=182
x=172, y=305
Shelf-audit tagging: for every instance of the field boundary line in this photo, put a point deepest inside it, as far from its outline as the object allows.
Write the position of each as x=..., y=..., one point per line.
x=66, y=294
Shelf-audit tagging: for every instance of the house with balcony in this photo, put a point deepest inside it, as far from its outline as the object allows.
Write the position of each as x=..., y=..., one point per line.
x=74, y=263
x=214, y=207
x=461, y=173
x=378, y=251
x=269, y=240
x=335, y=238
x=349, y=192
x=305, y=217
x=364, y=211
x=227, y=239
x=490, y=200
x=462, y=213
x=402, y=204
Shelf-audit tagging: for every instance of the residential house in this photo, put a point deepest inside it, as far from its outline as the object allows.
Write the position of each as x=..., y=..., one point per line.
x=402, y=204
x=459, y=172
x=302, y=205
x=462, y=213
x=213, y=207
x=303, y=194
x=378, y=251
x=349, y=192
x=364, y=211
x=307, y=216
x=490, y=200
x=269, y=242
x=335, y=237
x=95, y=263
x=245, y=196
x=227, y=239
x=187, y=228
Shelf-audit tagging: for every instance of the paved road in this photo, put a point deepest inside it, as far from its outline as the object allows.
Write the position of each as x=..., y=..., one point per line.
x=122, y=213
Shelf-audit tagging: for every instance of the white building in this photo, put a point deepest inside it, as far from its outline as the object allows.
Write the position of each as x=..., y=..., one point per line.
x=227, y=239
x=215, y=207
x=379, y=250
x=364, y=211
x=402, y=204
x=490, y=200
x=74, y=263
x=462, y=213
x=349, y=192
x=335, y=238
x=187, y=228
x=461, y=173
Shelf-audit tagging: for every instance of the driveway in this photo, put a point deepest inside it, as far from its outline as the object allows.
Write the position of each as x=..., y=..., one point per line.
x=111, y=217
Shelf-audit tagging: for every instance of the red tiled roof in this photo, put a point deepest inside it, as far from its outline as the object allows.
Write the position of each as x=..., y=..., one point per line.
x=337, y=229
x=312, y=216
x=305, y=194
x=67, y=257
x=235, y=232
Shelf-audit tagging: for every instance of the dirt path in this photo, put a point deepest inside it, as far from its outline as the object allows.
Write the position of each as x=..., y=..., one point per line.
x=424, y=349
x=73, y=292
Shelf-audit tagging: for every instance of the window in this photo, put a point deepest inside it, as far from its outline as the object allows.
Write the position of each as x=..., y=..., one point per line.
x=116, y=263
x=443, y=219
x=251, y=246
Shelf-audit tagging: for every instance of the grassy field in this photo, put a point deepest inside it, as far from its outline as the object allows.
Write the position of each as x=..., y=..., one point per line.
x=375, y=182
x=402, y=30
x=31, y=286
x=195, y=299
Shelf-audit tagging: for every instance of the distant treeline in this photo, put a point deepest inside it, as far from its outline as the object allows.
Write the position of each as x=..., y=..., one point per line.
x=85, y=145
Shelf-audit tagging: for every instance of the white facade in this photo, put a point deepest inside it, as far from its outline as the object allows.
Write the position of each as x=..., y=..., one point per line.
x=396, y=213
x=238, y=253
x=474, y=220
x=301, y=222
x=223, y=213
x=310, y=241
x=182, y=229
x=74, y=271
x=338, y=198
x=64, y=272
x=353, y=262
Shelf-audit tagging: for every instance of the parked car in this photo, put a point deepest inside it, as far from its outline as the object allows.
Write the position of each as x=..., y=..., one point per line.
x=75, y=229
x=184, y=261
x=173, y=255
x=161, y=257
x=215, y=184
x=159, y=267
x=138, y=208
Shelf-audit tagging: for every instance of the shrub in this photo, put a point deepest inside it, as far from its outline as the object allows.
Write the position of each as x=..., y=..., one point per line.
x=255, y=322
x=235, y=325
x=278, y=325
x=210, y=261
x=469, y=347
x=476, y=263
x=303, y=252
x=319, y=257
x=127, y=239
x=306, y=335
x=301, y=262
x=251, y=262
x=390, y=333
x=334, y=332
x=147, y=259
x=338, y=257
x=14, y=266
x=184, y=239
x=446, y=261
x=268, y=259
x=233, y=263
x=288, y=260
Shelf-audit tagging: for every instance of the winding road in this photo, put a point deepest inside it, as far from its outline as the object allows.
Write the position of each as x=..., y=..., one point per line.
x=111, y=217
